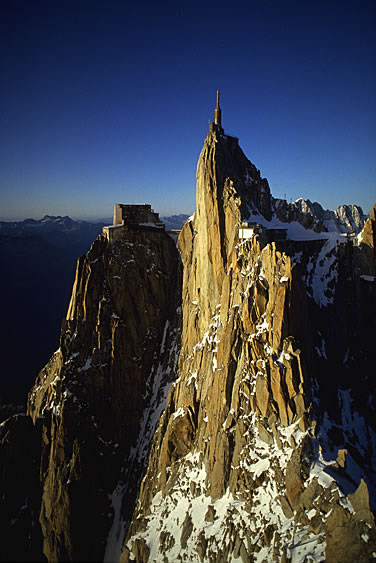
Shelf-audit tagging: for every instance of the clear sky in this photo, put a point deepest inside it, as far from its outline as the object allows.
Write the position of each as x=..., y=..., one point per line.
x=105, y=102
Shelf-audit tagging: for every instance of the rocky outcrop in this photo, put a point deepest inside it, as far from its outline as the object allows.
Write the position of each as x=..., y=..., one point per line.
x=228, y=184
x=241, y=416
x=349, y=535
x=309, y=215
x=346, y=218
x=367, y=240
x=89, y=401
x=242, y=463
x=351, y=217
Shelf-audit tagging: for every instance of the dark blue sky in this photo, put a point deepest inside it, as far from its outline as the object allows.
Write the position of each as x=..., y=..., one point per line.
x=105, y=102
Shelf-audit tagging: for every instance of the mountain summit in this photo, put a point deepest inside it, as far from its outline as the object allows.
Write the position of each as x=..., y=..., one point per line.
x=267, y=440
x=219, y=407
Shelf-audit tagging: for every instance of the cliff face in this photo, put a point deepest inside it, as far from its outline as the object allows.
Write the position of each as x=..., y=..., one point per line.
x=206, y=252
x=90, y=398
x=257, y=455
x=231, y=394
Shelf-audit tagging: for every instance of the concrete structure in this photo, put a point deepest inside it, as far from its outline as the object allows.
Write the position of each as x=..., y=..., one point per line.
x=249, y=230
x=136, y=217
x=113, y=232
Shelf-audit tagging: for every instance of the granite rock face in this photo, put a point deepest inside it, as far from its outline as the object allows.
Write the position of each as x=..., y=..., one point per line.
x=248, y=460
x=217, y=408
x=88, y=401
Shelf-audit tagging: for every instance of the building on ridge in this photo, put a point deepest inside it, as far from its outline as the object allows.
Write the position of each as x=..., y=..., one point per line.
x=135, y=217
x=136, y=214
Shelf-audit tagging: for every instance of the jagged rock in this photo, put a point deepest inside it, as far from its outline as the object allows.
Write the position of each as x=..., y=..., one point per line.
x=166, y=541
x=262, y=395
x=244, y=555
x=186, y=531
x=178, y=438
x=286, y=507
x=341, y=458
x=310, y=493
x=368, y=234
x=294, y=481
x=210, y=514
x=230, y=436
x=348, y=218
x=264, y=434
x=309, y=215
x=351, y=537
x=111, y=338
x=140, y=550
x=202, y=543
x=360, y=503
x=316, y=524
x=351, y=217
x=246, y=366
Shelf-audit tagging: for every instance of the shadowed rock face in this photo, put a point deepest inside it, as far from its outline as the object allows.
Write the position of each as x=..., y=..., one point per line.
x=20, y=491
x=92, y=393
x=252, y=436
x=88, y=400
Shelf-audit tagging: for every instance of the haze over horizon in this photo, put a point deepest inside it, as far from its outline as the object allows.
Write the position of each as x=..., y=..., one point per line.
x=110, y=102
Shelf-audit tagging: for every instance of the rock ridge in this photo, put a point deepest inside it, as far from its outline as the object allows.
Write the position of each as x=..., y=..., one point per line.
x=89, y=401
x=244, y=439
x=217, y=407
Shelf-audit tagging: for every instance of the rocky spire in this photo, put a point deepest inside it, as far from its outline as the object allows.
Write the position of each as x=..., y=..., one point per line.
x=256, y=425
x=245, y=461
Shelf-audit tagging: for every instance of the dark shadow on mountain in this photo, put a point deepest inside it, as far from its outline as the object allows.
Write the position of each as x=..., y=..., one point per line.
x=37, y=261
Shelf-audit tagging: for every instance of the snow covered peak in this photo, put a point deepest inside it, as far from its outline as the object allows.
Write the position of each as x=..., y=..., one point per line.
x=347, y=218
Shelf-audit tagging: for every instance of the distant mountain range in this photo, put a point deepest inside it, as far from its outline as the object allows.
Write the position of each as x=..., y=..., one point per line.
x=174, y=222
x=49, y=224
x=64, y=224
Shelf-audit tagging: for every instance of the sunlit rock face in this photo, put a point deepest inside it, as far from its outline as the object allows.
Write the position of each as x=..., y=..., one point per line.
x=265, y=450
x=228, y=184
x=218, y=407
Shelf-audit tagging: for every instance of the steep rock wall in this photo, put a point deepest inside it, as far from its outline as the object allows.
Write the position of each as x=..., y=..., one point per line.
x=240, y=465
x=256, y=428
x=209, y=238
x=91, y=396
